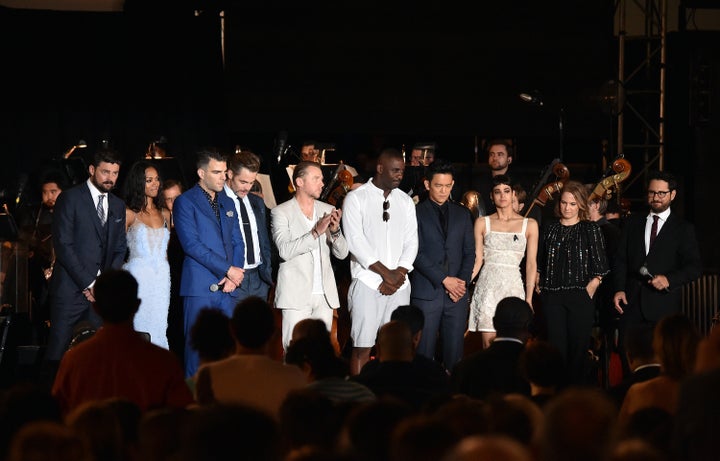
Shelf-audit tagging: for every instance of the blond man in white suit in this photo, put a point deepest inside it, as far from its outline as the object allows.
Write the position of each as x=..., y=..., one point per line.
x=305, y=231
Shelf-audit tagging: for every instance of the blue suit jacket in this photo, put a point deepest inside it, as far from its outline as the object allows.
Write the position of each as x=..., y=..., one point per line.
x=210, y=247
x=437, y=256
x=258, y=207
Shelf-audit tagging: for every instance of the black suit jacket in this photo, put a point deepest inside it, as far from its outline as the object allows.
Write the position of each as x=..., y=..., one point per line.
x=83, y=246
x=675, y=254
x=260, y=211
x=493, y=370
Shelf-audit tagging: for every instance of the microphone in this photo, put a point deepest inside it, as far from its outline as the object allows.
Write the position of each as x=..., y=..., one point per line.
x=216, y=286
x=21, y=188
x=533, y=97
x=280, y=146
x=646, y=273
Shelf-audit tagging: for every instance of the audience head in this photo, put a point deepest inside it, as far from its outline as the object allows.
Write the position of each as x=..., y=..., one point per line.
x=708, y=354
x=513, y=317
x=310, y=328
x=490, y=447
x=580, y=423
x=210, y=335
x=414, y=317
x=395, y=342
x=116, y=299
x=542, y=364
x=639, y=346
x=316, y=355
x=48, y=441
x=675, y=342
x=252, y=323
x=422, y=438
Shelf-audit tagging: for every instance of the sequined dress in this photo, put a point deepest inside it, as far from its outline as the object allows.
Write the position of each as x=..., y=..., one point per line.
x=148, y=262
x=500, y=275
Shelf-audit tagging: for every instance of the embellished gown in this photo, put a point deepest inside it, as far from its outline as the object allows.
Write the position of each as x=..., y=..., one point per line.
x=500, y=275
x=148, y=263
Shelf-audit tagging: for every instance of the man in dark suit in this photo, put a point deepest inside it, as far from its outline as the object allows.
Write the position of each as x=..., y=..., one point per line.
x=207, y=227
x=88, y=232
x=658, y=253
x=443, y=266
x=243, y=169
x=641, y=360
x=496, y=369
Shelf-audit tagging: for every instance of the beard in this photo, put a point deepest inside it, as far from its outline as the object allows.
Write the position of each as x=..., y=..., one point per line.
x=659, y=207
x=104, y=187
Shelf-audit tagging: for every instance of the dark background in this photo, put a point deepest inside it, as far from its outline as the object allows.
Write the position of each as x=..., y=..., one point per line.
x=359, y=76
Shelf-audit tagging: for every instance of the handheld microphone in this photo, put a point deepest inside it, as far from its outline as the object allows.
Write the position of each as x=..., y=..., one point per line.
x=280, y=145
x=646, y=273
x=216, y=286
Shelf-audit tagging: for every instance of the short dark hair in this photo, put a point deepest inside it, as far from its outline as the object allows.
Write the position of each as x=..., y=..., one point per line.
x=252, y=322
x=206, y=154
x=116, y=295
x=639, y=343
x=106, y=155
x=411, y=315
x=513, y=317
x=502, y=142
x=439, y=167
x=210, y=334
x=663, y=176
x=244, y=159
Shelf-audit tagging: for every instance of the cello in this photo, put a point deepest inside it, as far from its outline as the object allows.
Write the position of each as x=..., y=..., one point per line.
x=611, y=183
x=546, y=192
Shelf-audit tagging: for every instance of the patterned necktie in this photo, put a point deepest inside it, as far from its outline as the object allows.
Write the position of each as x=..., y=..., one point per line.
x=249, y=244
x=101, y=209
x=653, y=230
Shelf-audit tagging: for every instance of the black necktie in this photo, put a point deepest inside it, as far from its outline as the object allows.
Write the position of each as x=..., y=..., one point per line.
x=653, y=230
x=249, y=245
x=443, y=220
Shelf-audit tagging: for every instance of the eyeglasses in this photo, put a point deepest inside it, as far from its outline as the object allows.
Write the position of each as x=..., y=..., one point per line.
x=386, y=215
x=659, y=193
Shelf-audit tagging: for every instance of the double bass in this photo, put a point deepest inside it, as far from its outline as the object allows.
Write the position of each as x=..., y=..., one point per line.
x=610, y=184
x=545, y=193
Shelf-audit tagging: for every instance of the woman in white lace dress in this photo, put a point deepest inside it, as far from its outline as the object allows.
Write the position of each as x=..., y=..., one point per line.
x=148, y=235
x=502, y=239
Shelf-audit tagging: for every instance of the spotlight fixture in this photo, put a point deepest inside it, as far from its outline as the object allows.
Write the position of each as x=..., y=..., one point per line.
x=81, y=144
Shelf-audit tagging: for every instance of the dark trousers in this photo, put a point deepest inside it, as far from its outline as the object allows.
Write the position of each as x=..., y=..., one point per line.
x=569, y=317
x=447, y=318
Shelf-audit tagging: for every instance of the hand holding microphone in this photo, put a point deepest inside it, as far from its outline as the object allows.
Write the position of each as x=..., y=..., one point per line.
x=659, y=283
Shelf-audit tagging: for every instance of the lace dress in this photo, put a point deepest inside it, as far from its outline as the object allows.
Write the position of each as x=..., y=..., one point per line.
x=148, y=263
x=500, y=275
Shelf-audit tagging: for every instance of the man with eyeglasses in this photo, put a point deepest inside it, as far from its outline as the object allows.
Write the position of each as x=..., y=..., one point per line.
x=381, y=229
x=658, y=253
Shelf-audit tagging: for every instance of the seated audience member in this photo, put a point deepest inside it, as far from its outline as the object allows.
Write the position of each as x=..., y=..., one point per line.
x=489, y=447
x=160, y=432
x=542, y=365
x=307, y=419
x=48, y=441
x=675, y=342
x=249, y=376
x=422, y=438
x=397, y=374
x=641, y=359
x=210, y=336
x=496, y=369
x=310, y=328
x=698, y=408
x=580, y=424
x=230, y=431
x=414, y=317
x=326, y=372
x=118, y=361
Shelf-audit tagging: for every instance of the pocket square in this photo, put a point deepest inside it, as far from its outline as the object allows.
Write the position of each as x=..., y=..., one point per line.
x=230, y=214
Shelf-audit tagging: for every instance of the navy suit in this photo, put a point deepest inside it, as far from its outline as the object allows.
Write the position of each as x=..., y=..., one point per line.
x=211, y=246
x=437, y=258
x=83, y=248
x=258, y=280
x=675, y=254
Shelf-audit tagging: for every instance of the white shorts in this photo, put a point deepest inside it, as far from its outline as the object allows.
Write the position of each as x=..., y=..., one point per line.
x=369, y=310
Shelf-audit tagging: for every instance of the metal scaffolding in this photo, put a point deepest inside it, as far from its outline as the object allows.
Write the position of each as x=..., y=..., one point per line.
x=641, y=85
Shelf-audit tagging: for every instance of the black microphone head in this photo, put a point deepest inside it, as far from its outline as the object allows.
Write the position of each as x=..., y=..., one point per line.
x=214, y=287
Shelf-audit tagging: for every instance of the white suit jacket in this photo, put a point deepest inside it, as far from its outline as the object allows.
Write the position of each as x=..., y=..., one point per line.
x=296, y=245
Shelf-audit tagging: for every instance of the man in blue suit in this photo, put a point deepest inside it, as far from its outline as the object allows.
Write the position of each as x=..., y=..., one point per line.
x=88, y=231
x=443, y=266
x=243, y=168
x=207, y=226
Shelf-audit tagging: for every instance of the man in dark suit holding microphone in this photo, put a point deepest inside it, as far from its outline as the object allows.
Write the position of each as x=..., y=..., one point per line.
x=88, y=232
x=658, y=253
